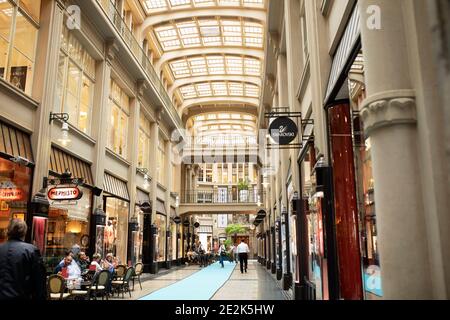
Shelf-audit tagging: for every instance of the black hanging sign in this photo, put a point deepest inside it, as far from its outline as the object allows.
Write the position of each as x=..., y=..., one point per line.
x=283, y=130
x=177, y=220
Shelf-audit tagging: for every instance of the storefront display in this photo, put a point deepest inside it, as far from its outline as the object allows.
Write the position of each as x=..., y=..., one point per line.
x=115, y=233
x=67, y=227
x=15, y=183
x=365, y=187
x=312, y=210
x=160, y=244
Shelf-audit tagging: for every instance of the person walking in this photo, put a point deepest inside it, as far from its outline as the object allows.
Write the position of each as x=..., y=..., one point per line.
x=222, y=253
x=22, y=271
x=242, y=251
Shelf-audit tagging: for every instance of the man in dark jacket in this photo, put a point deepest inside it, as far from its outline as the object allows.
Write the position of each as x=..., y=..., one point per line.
x=22, y=272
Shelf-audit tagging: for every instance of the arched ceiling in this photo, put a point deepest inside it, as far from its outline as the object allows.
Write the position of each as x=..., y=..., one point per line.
x=211, y=53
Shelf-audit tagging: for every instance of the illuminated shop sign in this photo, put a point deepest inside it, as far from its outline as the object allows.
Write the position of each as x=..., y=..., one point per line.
x=64, y=193
x=11, y=194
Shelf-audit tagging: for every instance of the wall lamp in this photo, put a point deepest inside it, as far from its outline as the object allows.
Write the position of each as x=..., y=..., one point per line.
x=144, y=171
x=63, y=117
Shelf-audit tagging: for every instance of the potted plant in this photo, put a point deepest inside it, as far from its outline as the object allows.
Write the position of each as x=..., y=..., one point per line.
x=234, y=229
x=243, y=190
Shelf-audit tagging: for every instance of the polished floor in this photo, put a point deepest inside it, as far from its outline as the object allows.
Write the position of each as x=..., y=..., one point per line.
x=256, y=284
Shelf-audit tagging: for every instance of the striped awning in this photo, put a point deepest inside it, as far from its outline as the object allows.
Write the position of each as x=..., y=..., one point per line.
x=61, y=161
x=115, y=187
x=14, y=142
x=160, y=207
x=142, y=197
x=205, y=229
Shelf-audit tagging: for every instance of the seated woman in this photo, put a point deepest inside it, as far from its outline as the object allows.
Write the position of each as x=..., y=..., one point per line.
x=95, y=264
x=108, y=263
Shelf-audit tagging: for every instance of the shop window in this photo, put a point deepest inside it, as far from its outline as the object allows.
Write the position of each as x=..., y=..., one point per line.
x=115, y=232
x=15, y=183
x=18, y=39
x=67, y=228
x=160, y=245
x=76, y=79
x=137, y=237
x=209, y=173
x=118, y=126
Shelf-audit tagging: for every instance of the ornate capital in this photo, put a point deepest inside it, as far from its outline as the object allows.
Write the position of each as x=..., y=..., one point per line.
x=141, y=85
x=389, y=108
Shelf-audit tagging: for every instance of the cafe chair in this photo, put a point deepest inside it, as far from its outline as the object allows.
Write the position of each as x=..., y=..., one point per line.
x=56, y=285
x=80, y=294
x=119, y=272
x=100, y=285
x=124, y=284
x=138, y=269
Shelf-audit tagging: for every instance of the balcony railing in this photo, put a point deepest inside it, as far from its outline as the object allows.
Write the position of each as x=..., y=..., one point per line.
x=138, y=52
x=250, y=196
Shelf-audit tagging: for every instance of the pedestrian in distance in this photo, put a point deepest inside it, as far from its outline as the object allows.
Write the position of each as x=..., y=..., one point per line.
x=243, y=250
x=222, y=253
x=22, y=271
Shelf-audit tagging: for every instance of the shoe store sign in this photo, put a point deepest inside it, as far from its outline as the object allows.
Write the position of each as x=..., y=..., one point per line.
x=283, y=130
x=64, y=193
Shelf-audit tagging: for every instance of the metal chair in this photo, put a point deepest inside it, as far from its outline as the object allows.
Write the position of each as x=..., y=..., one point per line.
x=56, y=285
x=138, y=269
x=124, y=284
x=119, y=272
x=101, y=284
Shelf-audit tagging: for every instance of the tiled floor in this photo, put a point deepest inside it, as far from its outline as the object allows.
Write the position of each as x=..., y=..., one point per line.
x=159, y=282
x=256, y=284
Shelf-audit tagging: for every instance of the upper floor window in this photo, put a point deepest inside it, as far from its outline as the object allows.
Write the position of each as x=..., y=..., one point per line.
x=161, y=160
x=144, y=142
x=118, y=126
x=19, y=23
x=76, y=79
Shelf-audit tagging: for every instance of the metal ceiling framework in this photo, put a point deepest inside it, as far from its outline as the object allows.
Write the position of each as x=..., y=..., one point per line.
x=212, y=51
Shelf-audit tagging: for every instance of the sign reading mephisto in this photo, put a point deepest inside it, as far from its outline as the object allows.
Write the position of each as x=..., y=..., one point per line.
x=66, y=193
x=283, y=130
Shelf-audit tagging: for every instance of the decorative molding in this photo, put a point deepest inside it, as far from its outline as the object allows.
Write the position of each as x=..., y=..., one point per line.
x=141, y=86
x=111, y=49
x=389, y=108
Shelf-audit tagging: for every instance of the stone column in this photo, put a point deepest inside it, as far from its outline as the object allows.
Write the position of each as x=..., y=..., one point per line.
x=153, y=166
x=53, y=11
x=389, y=115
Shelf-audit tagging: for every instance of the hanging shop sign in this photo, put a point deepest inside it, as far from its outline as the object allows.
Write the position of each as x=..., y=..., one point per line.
x=196, y=225
x=283, y=130
x=64, y=193
x=11, y=194
x=186, y=223
x=177, y=220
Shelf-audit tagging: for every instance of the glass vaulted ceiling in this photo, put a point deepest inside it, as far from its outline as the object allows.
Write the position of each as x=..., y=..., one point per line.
x=211, y=50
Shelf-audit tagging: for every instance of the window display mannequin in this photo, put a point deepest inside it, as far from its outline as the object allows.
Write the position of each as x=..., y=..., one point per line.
x=109, y=236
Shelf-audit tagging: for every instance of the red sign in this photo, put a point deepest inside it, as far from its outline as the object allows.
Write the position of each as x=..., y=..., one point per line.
x=11, y=194
x=67, y=193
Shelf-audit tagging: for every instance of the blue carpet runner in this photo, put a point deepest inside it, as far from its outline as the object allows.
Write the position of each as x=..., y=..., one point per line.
x=201, y=285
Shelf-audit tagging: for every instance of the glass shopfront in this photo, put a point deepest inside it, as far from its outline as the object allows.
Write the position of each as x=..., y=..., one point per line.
x=365, y=186
x=312, y=206
x=115, y=232
x=15, y=183
x=160, y=245
x=137, y=236
x=67, y=228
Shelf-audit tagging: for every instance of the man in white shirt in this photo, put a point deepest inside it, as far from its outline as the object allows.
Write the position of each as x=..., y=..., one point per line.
x=243, y=250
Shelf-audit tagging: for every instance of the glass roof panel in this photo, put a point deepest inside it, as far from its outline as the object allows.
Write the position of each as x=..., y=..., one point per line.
x=207, y=32
x=155, y=6
x=214, y=65
x=219, y=88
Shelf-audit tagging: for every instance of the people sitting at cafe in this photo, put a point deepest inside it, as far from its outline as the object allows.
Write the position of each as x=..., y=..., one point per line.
x=68, y=268
x=95, y=264
x=83, y=261
x=109, y=263
x=192, y=256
